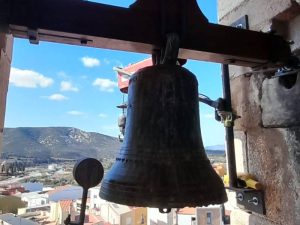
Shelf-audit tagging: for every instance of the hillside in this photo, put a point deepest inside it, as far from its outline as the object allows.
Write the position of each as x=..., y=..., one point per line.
x=58, y=142
x=215, y=148
x=66, y=142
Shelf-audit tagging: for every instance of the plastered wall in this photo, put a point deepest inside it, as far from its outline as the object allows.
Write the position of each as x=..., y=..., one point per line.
x=267, y=136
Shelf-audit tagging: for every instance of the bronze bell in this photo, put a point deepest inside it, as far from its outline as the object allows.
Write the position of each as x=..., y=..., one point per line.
x=162, y=162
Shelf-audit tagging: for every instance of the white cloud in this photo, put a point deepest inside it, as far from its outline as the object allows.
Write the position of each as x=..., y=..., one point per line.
x=62, y=74
x=57, y=97
x=75, y=113
x=106, y=61
x=209, y=116
x=29, y=79
x=90, y=62
x=68, y=86
x=118, y=63
x=105, y=84
x=102, y=115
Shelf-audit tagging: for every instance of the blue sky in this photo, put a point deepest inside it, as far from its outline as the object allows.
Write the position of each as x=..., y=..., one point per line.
x=63, y=85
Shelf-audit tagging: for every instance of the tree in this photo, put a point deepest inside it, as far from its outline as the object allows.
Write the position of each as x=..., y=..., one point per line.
x=10, y=204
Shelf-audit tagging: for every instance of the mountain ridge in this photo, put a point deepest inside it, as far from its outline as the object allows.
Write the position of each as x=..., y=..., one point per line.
x=67, y=143
x=58, y=142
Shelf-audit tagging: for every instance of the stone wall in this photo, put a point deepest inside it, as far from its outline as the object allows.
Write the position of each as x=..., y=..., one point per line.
x=268, y=132
x=6, y=42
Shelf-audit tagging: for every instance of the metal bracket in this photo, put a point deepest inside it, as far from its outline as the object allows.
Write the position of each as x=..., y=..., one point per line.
x=293, y=68
x=286, y=72
x=227, y=118
x=33, y=36
x=250, y=199
x=221, y=115
x=241, y=23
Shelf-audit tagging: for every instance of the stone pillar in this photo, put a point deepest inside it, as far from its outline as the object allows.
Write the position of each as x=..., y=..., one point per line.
x=6, y=46
x=268, y=132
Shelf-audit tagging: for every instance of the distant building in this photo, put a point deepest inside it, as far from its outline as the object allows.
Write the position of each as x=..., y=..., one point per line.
x=136, y=216
x=11, y=189
x=11, y=219
x=157, y=218
x=186, y=216
x=52, y=167
x=60, y=211
x=35, y=199
x=36, y=202
x=95, y=200
x=211, y=215
x=112, y=212
x=10, y=167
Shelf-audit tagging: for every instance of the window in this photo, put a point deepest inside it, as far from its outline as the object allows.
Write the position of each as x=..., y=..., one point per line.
x=209, y=218
x=193, y=221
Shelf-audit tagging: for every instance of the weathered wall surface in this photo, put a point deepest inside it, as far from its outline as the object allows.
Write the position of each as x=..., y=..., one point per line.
x=6, y=42
x=268, y=132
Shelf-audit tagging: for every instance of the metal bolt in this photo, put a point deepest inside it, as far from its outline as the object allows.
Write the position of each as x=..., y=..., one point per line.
x=240, y=197
x=83, y=41
x=254, y=201
x=240, y=26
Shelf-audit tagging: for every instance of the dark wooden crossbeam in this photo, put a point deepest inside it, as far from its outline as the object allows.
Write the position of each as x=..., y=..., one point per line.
x=141, y=28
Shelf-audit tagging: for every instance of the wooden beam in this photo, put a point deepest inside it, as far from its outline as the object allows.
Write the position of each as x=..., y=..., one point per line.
x=132, y=29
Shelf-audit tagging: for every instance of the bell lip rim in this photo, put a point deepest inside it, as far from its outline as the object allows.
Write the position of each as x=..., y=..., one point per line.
x=152, y=204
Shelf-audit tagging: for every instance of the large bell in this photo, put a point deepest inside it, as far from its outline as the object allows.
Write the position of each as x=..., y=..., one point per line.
x=162, y=162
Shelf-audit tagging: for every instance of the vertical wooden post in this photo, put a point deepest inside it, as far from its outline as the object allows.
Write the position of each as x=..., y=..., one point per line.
x=6, y=47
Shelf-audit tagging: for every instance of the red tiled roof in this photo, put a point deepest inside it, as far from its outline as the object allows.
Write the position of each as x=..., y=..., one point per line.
x=124, y=82
x=93, y=219
x=65, y=205
x=136, y=66
x=187, y=211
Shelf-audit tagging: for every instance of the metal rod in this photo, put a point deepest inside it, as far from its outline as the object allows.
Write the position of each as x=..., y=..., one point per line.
x=83, y=206
x=230, y=152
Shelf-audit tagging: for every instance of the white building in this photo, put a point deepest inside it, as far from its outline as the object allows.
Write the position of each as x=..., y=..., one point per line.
x=211, y=215
x=52, y=167
x=35, y=202
x=111, y=212
x=95, y=200
x=157, y=218
x=34, y=199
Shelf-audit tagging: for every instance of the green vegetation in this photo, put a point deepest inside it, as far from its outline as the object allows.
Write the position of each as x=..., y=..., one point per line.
x=10, y=204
